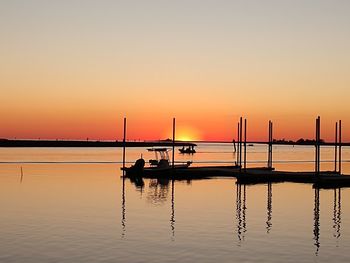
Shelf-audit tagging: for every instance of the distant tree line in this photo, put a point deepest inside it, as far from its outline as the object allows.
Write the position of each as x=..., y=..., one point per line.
x=301, y=141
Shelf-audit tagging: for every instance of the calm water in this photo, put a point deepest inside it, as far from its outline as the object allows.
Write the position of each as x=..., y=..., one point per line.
x=71, y=205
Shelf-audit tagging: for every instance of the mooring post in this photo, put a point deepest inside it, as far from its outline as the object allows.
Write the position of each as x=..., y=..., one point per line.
x=268, y=146
x=269, y=155
x=317, y=145
x=340, y=146
x=173, y=157
x=245, y=144
x=240, y=142
x=271, y=140
x=336, y=147
x=124, y=145
x=317, y=149
x=269, y=158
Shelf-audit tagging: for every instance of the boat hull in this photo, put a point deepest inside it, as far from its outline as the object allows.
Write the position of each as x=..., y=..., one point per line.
x=182, y=172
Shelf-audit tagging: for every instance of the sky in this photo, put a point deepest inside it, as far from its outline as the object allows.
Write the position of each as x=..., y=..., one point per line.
x=73, y=69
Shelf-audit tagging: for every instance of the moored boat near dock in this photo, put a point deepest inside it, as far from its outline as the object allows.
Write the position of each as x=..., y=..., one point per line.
x=159, y=167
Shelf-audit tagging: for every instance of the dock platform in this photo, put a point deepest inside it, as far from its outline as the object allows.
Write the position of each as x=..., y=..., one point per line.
x=261, y=175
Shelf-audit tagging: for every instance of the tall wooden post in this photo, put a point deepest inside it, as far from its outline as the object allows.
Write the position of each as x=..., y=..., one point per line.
x=317, y=145
x=124, y=145
x=240, y=142
x=316, y=153
x=245, y=144
x=316, y=130
x=269, y=156
x=173, y=157
x=271, y=141
x=340, y=146
x=238, y=139
x=336, y=147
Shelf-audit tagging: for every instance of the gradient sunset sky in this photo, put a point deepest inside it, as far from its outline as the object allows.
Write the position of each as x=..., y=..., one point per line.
x=74, y=69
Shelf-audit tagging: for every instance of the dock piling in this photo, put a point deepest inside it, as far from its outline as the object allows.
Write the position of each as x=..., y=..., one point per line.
x=240, y=142
x=340, y=147
x=245, y=144
x=336, y=147
x=317, y=145
x=124, y=145
x=238, y=139
x=173, y=155
x=270, y=141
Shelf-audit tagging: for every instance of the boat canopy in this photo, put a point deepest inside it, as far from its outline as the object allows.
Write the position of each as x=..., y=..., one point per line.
x=161, y=153
x=158, y=149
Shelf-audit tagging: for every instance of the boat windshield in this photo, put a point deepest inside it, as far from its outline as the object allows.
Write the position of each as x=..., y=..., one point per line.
x=161, y=153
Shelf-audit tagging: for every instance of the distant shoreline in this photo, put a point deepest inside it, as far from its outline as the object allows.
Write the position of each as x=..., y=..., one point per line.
x=5, y=143
x=62, y=143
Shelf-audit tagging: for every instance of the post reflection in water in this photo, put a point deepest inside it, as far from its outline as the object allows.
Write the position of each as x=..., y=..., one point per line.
x=337, y=213
x=172, y=218
x=21, y=175
x=317, y=220
x=269, y=207
x=241, y=212
x=158, y=193
x=123, y=209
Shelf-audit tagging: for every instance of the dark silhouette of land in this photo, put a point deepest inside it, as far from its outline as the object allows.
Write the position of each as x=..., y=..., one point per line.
x=162, y=143
x=69, y=143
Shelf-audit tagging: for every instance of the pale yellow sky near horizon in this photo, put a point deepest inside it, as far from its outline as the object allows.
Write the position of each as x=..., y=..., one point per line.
x=74, y=69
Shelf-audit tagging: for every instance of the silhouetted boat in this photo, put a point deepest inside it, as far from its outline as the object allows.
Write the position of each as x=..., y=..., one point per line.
x=160, y=166
x=189, y=149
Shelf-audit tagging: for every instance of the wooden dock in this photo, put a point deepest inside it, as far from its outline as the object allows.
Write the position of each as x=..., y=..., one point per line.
x=245, y=175
x=323, y=179
x=262, y=175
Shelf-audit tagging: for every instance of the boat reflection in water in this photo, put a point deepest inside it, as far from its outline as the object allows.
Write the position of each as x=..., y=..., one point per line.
x=158, y=192
x=161, y=190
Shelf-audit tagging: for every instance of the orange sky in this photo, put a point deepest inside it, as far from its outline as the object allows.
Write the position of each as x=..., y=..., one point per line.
x=74, y=70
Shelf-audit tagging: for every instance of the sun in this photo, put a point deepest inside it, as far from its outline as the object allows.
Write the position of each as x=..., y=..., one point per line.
x=185, y=137
x=187, y=134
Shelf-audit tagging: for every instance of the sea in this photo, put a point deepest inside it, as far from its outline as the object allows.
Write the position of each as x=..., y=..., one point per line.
x=73, y=205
